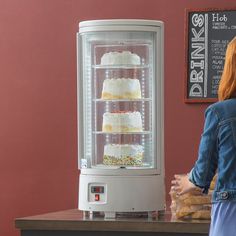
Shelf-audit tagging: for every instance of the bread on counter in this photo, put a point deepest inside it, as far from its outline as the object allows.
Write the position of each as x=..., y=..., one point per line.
x=192, y=205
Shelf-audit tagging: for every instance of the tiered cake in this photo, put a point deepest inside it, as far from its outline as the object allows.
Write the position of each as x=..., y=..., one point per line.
x=121, y=88
x=120, y=58
x=118, y=122
x=123, y=154
x=122, y=122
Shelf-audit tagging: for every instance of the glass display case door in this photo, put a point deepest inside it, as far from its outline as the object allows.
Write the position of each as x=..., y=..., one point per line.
x=119, y=93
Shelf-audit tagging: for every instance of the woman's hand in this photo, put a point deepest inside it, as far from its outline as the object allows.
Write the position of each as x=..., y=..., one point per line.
x=182, y=185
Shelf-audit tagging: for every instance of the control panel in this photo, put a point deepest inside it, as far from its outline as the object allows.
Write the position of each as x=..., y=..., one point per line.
x=97, y=193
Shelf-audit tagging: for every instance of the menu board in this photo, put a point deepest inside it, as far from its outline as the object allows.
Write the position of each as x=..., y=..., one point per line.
x=207, y=34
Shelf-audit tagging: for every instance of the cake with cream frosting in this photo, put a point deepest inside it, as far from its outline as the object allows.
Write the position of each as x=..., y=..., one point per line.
x=120, y=58
x=123, y=154
x=122, y=122
x=121, y=88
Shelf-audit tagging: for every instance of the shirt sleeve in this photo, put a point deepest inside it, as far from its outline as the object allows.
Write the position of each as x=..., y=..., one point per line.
x=206, y=164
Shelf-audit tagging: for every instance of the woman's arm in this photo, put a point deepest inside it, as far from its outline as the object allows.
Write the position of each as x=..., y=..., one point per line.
x=206, y=164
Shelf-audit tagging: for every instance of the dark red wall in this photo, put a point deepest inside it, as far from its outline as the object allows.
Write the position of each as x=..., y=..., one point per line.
x=38, y=144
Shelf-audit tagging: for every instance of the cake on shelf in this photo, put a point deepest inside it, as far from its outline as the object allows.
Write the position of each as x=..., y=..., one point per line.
x=121, y=88
x=123, y=154
x=122, y=122
x=120, y=58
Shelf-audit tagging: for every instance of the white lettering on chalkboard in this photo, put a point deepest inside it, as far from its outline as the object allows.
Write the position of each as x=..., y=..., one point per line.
x=197, y=64
x=217, y=17
x=198, y=20
x=197, y=55
x=196, y=91
x=198, y=52
x=197, y=35
x=196, y=77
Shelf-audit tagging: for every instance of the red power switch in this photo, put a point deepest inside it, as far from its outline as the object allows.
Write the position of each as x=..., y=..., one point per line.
x=97, y=197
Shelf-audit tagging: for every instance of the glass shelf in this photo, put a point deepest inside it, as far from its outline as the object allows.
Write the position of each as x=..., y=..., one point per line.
x=102, y=166
x=122, y=100
x=142, y=132
x=111, y=67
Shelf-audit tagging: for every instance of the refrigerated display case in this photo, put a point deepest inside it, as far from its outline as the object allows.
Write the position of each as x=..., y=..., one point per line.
x=120, y=116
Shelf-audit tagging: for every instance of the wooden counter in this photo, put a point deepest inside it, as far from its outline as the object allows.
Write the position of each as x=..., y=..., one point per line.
x=72, y=222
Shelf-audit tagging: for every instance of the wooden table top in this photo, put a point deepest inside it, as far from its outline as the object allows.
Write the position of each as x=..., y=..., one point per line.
x=73, y=219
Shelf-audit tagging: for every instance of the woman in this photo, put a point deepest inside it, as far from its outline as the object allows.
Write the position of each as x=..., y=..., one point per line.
x=217, y=151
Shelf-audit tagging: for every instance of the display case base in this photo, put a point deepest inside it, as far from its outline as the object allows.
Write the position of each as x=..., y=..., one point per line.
x=120, y=195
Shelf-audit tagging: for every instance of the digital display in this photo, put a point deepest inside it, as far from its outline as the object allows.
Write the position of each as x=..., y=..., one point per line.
x=97, y=189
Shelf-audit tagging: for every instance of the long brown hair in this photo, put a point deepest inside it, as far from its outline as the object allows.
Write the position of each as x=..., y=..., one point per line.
x=227, y=86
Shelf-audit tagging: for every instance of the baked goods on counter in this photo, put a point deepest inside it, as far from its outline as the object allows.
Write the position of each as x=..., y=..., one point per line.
x=192, y=205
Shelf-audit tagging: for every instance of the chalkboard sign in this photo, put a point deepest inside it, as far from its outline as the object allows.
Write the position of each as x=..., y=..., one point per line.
x=208, y=32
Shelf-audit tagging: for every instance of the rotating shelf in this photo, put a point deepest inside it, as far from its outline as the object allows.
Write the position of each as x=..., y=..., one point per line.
x=142, y=132
x=102, y=166
x=122, y=100
x=115, y=67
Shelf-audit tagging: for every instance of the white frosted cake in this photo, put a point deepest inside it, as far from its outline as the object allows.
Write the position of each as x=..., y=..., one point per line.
x=120, y=58
x=123, y=154
x=122, y=122
x=121, y=88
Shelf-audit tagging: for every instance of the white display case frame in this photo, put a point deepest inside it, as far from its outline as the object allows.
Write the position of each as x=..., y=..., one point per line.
x=151, y=180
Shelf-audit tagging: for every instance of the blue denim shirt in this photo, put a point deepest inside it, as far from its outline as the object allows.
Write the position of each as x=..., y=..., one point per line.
x=217, y=151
